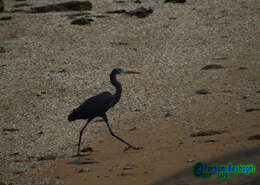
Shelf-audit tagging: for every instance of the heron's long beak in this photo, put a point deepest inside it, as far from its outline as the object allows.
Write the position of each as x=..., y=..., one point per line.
x=132, y=72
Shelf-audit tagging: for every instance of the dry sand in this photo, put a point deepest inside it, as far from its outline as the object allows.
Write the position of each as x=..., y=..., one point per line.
x=48, y=67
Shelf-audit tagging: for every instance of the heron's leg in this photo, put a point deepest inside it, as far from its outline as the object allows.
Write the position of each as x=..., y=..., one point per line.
x=80, y=134
x=112, y=133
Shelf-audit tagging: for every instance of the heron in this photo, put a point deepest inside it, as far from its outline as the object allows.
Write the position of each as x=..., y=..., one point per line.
x=98, y=105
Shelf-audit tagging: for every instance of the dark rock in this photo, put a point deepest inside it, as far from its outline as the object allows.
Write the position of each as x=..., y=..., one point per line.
x=140, y=12
x=22, y=5
x=203, y=91
x=167, y=114
x=212, y=66
x=2, y=6
x=83, y=170
x=175, y=1
x=82, y=21
x=119, y=43
x=254, y=137
x=72, y=16
x=63, y=7
x=116, y=11
x=84, y=161
x=88, y=149
x=137, y=1
x=10, y=129
x=14, y=154
x=47, y=158
x=210, y=141
x=120, y=1
x=2, y=50
x=207, y=133
x=132, y=129
x=242, y=68
x=128, y=167
x=251, y=110
x=6, y=18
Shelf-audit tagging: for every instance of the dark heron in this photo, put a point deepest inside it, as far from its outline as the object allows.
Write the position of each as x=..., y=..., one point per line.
x=98, y=105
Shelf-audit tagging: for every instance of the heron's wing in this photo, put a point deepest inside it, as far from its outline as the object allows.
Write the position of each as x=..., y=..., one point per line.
x=94, y=106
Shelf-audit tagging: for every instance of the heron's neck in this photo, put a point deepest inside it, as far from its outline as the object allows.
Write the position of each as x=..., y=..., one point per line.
x=117, y=86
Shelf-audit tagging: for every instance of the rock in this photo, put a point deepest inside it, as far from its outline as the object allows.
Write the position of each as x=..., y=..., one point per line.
x=128, y=167
x=212, y=66
x=63, y=7
x=84, y=161
x=22, y=5
x=10, y=129
x=6, y=18
x=116, y=11
x=82, y=21
x=207, y=133
x=167, y=114
x=251, y=110
x=254, y=137
x=242, y=68
x=203, y=91
x=210, y=141
x=137, y=1
x=2, y=49
x=88, y=149
x=174, y=1
x=83, y=170
x=140, y=12
x=72, y=16
x=47, y=158
x=2, y=6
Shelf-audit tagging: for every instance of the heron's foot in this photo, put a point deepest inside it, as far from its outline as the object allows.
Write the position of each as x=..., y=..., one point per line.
x=132, y=147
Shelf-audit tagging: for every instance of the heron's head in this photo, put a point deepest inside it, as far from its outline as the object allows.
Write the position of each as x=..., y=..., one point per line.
x=117, y=71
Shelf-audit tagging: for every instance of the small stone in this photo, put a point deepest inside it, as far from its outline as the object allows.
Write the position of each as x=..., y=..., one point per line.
x=63, y=7
x=116, y=11
x=82, y=21
x=212, y=66
x=203, y=91
x=87, y=149
x=190, y=160
x=174, y=1
x=6, y=18
x=210, y=141
x=242, y=68
x=140, y=12
x=254, y=137
x=207, y=133
x=252, y=110
x=83, y=170
x=47, y=158
x=10, y=129
x=137, y=1
x=84, y=161
x=128, y=167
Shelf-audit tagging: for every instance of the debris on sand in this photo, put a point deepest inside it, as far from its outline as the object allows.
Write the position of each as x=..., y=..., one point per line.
x=212, y=66
x=203, y=91
x=140, y=12
x=207, y=133
x=84, y=161
x=63, y=7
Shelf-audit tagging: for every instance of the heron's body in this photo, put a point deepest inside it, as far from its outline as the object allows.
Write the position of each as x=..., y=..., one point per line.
x=93, y=107
x=98, y=105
